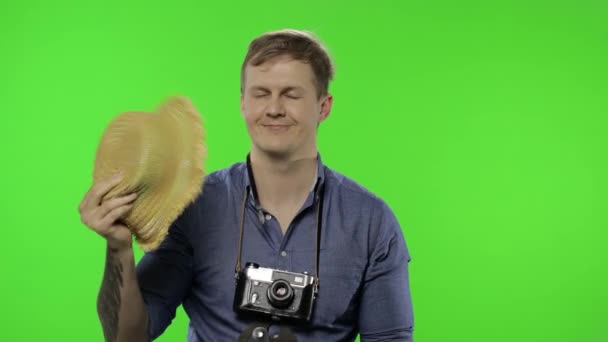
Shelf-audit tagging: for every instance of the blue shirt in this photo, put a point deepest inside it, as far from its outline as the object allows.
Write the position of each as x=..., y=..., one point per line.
x=363, y=262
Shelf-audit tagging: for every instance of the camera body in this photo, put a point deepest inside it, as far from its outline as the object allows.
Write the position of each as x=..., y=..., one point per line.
x=277, y=293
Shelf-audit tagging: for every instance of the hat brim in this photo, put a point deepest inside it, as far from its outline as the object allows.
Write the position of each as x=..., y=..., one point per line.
x=162, y=158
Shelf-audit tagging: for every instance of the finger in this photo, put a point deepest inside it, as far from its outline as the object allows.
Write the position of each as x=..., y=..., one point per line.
x=94, y=217
x=100, y=189
x=109, y=205
x=115, y=214
x=87, y=200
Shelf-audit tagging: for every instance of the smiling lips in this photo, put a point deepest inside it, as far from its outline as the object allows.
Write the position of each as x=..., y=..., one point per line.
x=276, y=128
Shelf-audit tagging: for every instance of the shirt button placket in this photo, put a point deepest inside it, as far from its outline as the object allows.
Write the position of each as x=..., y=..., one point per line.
x=284, y=260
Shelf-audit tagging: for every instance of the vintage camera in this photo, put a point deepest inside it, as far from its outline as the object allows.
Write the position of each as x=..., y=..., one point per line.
x=280, y=294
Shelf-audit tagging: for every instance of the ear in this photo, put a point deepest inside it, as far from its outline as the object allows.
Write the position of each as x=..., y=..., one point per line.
x=326, y=104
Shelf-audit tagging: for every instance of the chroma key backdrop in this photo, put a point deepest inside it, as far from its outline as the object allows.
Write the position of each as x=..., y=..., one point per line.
x=483, y=124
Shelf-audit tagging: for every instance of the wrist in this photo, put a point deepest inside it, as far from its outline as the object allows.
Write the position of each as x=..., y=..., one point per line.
x=119, y=246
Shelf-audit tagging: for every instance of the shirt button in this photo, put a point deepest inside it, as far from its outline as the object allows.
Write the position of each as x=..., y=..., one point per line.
x=268, y=217
x=283, y=253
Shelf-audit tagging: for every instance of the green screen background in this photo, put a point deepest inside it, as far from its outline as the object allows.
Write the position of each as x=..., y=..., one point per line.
x=482, y=124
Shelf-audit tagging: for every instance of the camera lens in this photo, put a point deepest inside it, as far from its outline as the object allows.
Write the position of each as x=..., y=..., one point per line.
x=280, y=294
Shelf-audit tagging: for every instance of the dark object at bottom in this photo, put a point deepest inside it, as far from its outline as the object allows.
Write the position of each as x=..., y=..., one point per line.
x=258, y=332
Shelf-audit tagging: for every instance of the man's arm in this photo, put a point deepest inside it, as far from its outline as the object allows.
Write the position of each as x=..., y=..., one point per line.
x=386, y=308
x=120, y=305
x=137, y=303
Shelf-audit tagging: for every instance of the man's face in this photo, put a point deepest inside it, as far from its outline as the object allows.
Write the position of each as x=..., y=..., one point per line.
x=281, y=108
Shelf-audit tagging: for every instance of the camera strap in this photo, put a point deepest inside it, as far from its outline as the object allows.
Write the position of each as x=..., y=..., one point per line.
x=319, y=191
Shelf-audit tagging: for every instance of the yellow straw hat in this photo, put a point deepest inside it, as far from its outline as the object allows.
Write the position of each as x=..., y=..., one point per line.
x=162, y=158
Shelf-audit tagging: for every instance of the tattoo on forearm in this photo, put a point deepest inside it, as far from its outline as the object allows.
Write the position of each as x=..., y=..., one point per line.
x=108, y=303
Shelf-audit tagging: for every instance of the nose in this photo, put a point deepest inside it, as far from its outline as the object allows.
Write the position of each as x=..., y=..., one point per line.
x=275, y=108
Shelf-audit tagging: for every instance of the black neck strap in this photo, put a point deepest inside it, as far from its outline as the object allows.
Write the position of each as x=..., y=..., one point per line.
x=319, y=192
x=254, y=188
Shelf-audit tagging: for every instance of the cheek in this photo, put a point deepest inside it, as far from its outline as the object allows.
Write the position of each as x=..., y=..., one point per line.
x=308, y=115
x=250, y=121
x=250, y=113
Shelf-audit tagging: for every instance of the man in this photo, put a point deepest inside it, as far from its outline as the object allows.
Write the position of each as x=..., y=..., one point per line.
x=266, y=211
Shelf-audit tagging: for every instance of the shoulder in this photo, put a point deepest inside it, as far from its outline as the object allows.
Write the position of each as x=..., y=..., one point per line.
x=224, y=181
x=353, y=193
x=221, y=189
x=359, y=207
x=226, y=176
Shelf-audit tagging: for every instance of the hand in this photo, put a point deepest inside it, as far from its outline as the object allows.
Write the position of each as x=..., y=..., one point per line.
x=102, y=216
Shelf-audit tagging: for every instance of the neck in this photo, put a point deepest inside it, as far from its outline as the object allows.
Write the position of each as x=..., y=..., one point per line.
x=283, y=181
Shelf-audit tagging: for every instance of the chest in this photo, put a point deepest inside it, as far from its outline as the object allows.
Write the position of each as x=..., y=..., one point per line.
x=284, y=216
x=341, y=261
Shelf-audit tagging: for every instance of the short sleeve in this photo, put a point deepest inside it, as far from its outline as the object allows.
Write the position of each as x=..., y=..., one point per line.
x=386, y=308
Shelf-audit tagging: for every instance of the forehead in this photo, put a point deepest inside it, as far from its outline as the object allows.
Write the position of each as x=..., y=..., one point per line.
x=280, y=71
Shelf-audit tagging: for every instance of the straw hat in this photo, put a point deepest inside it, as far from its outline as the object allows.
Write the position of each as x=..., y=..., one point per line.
x=161, y=155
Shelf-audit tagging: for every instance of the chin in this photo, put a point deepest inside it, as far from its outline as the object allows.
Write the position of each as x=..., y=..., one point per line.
x=279, y=152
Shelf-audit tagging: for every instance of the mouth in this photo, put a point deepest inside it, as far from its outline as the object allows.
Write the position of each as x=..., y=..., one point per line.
x=276, y=128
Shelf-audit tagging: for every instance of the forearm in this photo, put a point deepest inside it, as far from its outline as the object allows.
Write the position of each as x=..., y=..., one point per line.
x=120, y=305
